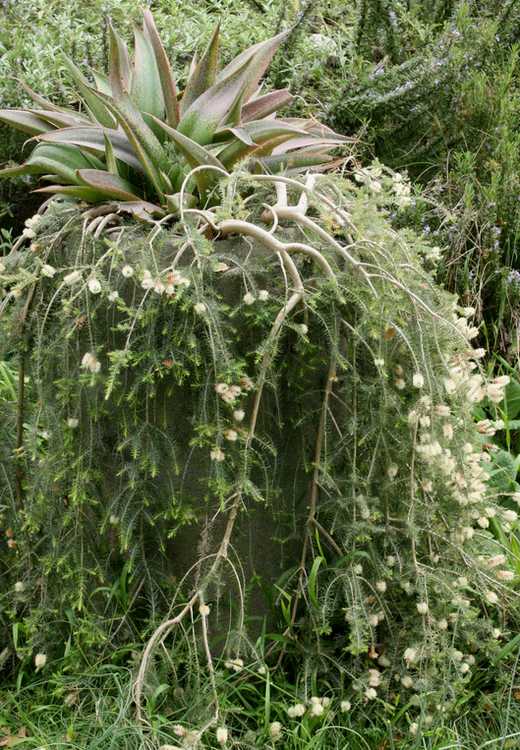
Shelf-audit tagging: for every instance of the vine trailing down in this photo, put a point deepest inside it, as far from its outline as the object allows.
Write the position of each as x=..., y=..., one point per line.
x=275, y=352
x=369, y=363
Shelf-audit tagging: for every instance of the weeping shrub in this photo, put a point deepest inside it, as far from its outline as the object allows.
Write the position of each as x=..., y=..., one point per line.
x=279, y=372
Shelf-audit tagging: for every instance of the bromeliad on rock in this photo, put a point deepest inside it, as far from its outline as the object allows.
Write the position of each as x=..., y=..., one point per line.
x=138, y=142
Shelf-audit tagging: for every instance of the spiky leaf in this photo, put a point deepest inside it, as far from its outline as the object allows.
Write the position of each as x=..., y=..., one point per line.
x=203, y=76
x=169, y=87
x=93, y=139
x=99, y=112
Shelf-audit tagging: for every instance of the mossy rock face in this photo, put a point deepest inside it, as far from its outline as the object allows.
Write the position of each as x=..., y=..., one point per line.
x=357, y=488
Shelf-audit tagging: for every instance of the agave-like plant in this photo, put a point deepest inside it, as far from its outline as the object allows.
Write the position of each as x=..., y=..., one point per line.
x=139, y=142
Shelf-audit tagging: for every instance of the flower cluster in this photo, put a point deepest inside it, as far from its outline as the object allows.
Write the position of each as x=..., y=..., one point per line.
x=31, y=226
x=167, y=283
x=315, y=706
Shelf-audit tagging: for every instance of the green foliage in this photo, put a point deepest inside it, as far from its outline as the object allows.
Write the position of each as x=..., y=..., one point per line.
x=150, y=354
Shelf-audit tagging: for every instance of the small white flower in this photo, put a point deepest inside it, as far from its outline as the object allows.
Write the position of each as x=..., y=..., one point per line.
x=217, y=455
x=246, y=383
x=497, y=633
x=447, y=431
x=231, y=435
x=204, y=610
x=29, y=233
x=392, y=471
x=295, y=711
x=418, y=380
x=33, y=221
x=464, y=668
x=374, y=677
x=483, y=522
x=390, y=561
x=248, y=298
x=113, y=296
x=48, y=271
x=410, y=655
x=510, y=515
x=221, y=267
x=90, y=362
x=381, y=586
x=40, y=660
x=94, y=285
x=413, y=728
x=304, y=330
x=345, y=706
x=72, y=278
x=127, y=271
x=373, y=620
x=275, y=730
x=422, y=608
x=491, y=597
x=316, y=709
x=72, y=422
x=379, y=362
x=19, y=586
x=263, y=295
x=493, y=562
x=358, y=569
x=113, y=520
x=407, y=681
x=179, y=730
x=370, y=693
x=505, y=575
x=159, y=287
x=222, y=735
x=442, y=410
x=147, y=280
x=200, y=308
x=238, y=415
x=442, y=624
x=262, y=669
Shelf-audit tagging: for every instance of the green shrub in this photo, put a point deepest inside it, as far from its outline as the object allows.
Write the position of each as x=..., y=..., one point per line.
x=371, y=472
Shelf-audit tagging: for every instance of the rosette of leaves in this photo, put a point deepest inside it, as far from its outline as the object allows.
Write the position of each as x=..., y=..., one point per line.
x=138, y=141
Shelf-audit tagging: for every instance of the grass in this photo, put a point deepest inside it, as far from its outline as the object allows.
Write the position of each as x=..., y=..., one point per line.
x=94, y=712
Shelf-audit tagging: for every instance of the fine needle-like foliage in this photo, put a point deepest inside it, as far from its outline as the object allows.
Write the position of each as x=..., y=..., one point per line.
x=188, y=393
x=136, y=137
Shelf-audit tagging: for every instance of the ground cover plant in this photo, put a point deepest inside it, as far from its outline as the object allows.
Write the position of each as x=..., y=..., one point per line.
x=250, y=495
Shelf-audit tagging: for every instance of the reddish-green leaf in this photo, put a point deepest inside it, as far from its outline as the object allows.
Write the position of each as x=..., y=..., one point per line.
x=110, y=185
x=203, y=117
x=260, y=56
x=93, y=139
x=74, y=191
x=146, y=91
x=120, y=73
x=166, y=76
x=266, y=105
x=97, y=108
x=61, y=119
x=261, y=133
x=203, y=76
x=25, y=121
